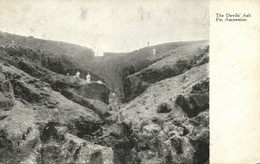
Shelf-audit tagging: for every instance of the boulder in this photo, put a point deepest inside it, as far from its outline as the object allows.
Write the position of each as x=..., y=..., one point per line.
x=195, y=99
x=95, y=105
x=164, y=108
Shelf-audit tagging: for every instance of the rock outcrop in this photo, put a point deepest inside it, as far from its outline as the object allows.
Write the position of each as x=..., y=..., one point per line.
x=6, y=93
x=33, y=120
x=173, y=136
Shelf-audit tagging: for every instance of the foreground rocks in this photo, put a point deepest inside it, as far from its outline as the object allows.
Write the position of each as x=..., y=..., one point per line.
x=176, y=134
x=33, y=120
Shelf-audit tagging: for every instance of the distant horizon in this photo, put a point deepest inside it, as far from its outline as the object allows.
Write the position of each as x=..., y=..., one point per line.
x=106, y=51
x=107, y=26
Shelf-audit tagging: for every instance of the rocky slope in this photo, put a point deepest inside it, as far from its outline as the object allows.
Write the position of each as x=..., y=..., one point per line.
x=166, y=65
x=158, y=114
x=39, y=45
x=165, y=113
x=34, y=115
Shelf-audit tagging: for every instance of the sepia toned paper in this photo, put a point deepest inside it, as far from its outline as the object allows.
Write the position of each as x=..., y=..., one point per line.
x=234, y=72
x=234, y=53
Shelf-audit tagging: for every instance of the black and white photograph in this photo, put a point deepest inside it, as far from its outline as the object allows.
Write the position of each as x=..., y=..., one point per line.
x=104, y=82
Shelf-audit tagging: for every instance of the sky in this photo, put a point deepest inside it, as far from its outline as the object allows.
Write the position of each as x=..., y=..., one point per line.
x=107, y=25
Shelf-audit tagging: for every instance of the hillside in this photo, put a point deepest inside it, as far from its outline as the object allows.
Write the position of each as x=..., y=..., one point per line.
x=112, y=68
x=55, y=47
x=158, y=114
